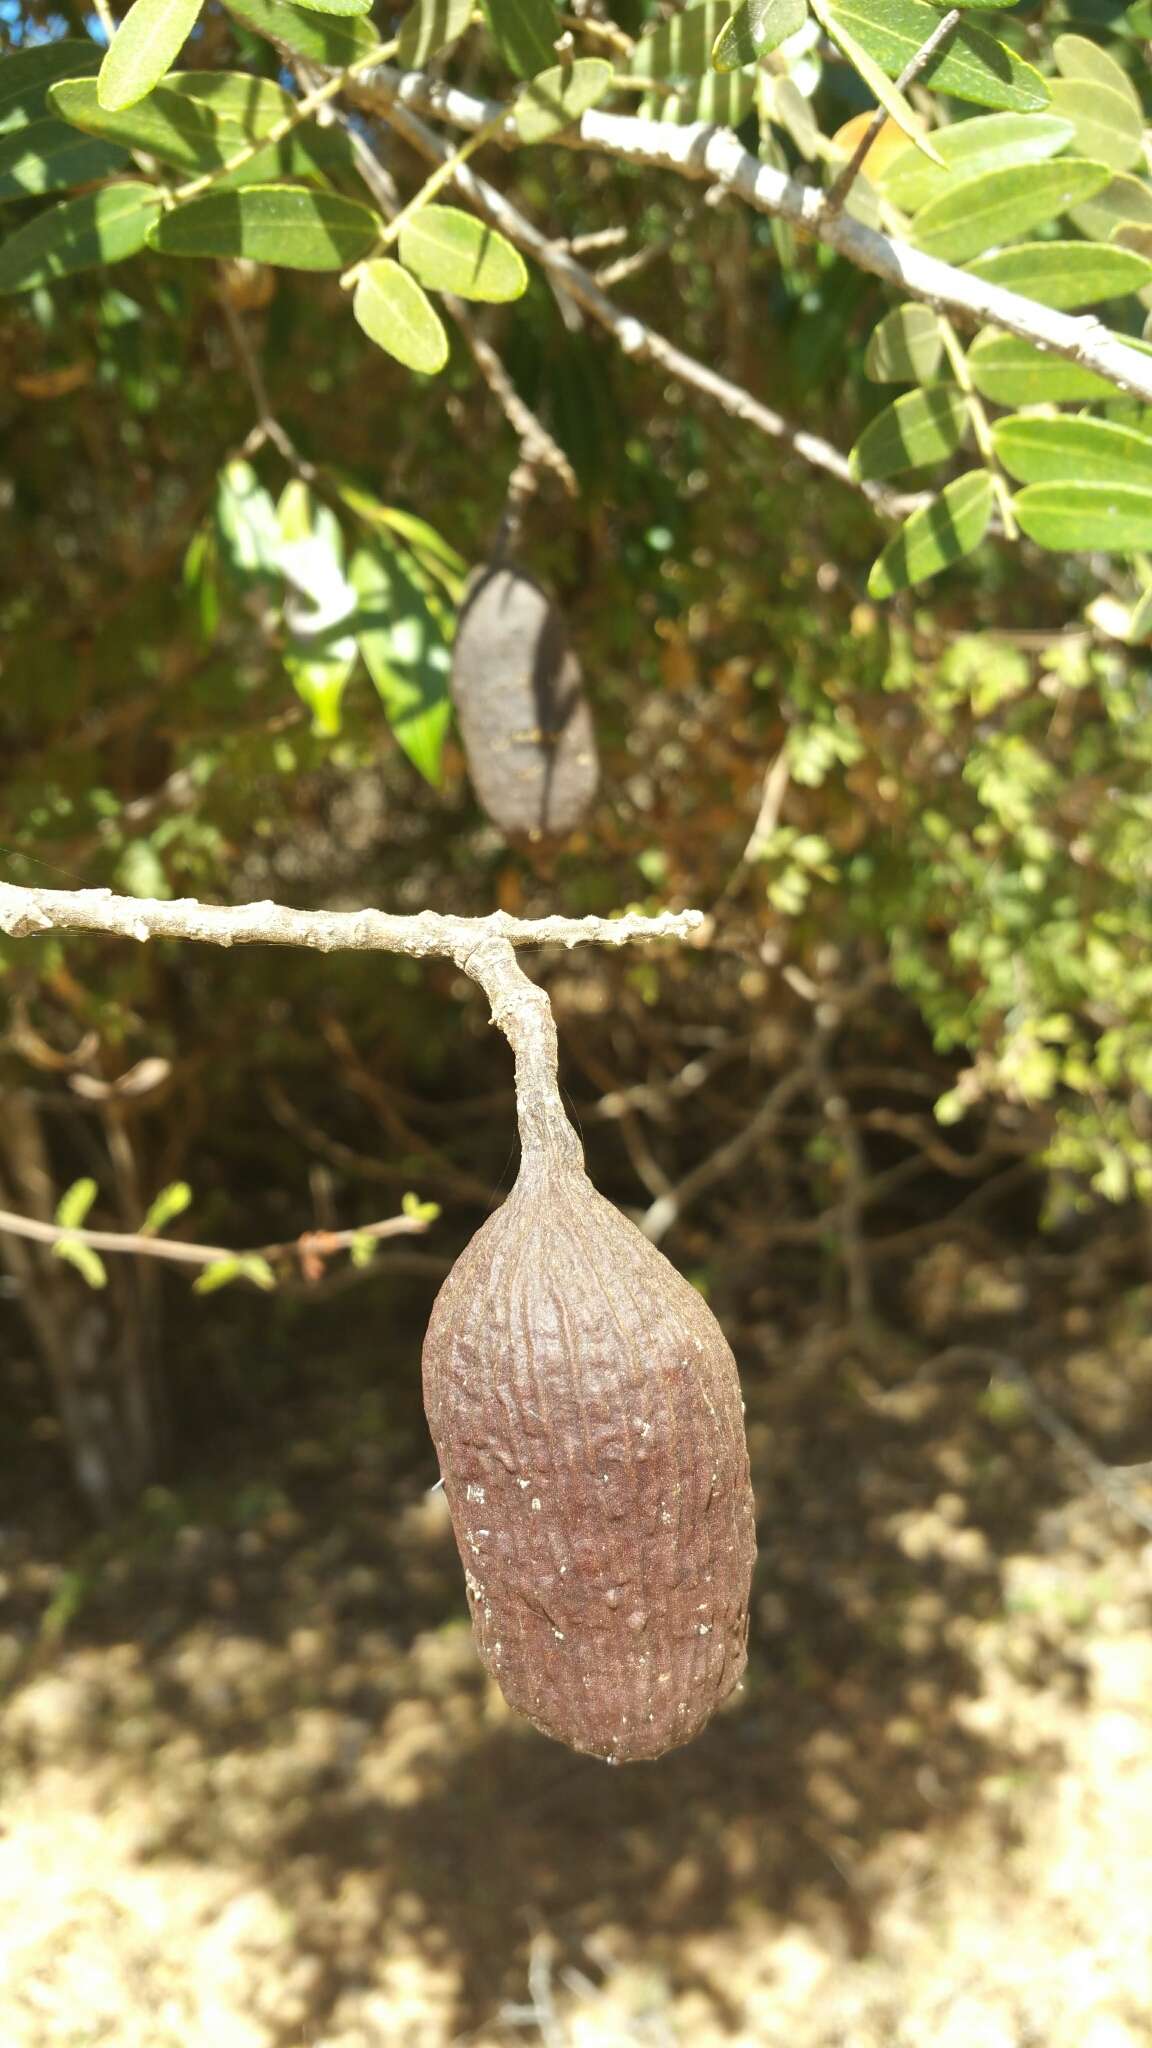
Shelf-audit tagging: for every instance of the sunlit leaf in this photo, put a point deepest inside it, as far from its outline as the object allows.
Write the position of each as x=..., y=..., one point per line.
x=1108, y=126
x=972, y=64
x=339, y=7
x=554, y=101
x=436, y=555
x=75, y=1203
x=451, y=251
x=249, y=529
x=756, y=28
x=87, y=1262
x=243, y=1266
x=1077, y=57
x=524, y=32
x=286, y=225
x=398, y=316
x=905, y=348
x=935, y=535
x=1013, y=372
x=326, y=39
x=405, y=644
x=200, y=120
x=167, y=1205
x=1125, y=199
x=143, y=47
x=875, y=77
x=428, y=26
x=1066, y=275
x=94, y=228
x=49, y=156
x=1083, y=518
x=980, y=212
x=1037, y=450
x=989, y=142
x=921, y=427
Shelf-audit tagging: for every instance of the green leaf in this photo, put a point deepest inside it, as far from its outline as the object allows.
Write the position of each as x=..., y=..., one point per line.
x=199, y=120
x=1125, y=199
x=972, y=65
x=26, y=75
x=1082, y=518
x=399, y=317
x=97, y=227
x=243, y=1266
x=556, y=100
x=49, y=156
x=143, y=47
x=423, y=1212
x=721, y=98
x=905, y=348
x=248, y=525
x=873, y=75
x=363, y=1248
x=436, y=555
x=1036, y=450
x=340, y=7
x=981, y=212
x=524, y=32
x=990, y=142
x=1076, y=57
x=936, y=535
x=168, y=1204
x=428, y=26
x=451, y=251
x=682, y=46
x=404, y=642
x=320, y=677
x=286, y=225
x=1013, y=372
x=75, y=1203
x=1066, y=275
x=756, y=28
x=1108, y=126
x=326, y=39
x=88, y=1263
x=921, y=427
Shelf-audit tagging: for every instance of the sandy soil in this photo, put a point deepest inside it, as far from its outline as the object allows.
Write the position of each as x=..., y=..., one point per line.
x=257, y=1794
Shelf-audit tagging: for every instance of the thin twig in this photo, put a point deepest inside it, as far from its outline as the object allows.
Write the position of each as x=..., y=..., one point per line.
x=178, y=1251
x=536, y=443
x=918, y=62
x=638, y=341
x=267, y=427
x=699, y=150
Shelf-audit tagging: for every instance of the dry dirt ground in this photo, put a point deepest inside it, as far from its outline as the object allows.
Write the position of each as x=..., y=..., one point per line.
x=256, y=1793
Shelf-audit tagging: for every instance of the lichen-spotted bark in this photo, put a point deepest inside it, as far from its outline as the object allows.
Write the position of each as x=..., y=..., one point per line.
x=519, y=695
x=586, y=1411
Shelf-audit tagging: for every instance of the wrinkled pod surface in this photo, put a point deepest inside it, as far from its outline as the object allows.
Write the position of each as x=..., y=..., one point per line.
x=524, y=719
x=586, y=1411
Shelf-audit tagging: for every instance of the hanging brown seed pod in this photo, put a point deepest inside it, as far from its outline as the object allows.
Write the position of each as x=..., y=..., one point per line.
x=524, y=719
x=586, y=1411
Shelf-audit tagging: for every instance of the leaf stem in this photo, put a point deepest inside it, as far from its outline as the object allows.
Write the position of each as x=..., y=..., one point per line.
x=920, y=59
x=958, y=362
x=379, y=54
x=441, y=176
